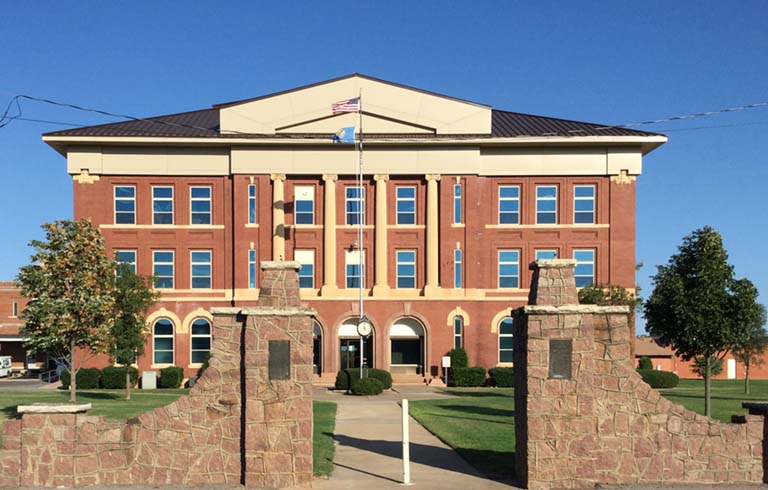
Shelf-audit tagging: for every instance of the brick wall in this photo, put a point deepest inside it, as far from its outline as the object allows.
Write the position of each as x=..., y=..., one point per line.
x=234, y=414
x=604, y=424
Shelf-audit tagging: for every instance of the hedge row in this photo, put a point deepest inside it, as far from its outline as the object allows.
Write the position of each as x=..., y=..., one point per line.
x=659, y=379
x=468, y=377
x=113, y=378
x=503, y=377
x=346, y=377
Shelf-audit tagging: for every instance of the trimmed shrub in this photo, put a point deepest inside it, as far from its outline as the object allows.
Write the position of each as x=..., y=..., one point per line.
x=468, y=376
x=346, y=376
x=367, y=386
x=113, y=377
x=659, y=379
x=503, y=377
x=645, y=363
x=87, y=378
x=459, y=358
x=170, y=377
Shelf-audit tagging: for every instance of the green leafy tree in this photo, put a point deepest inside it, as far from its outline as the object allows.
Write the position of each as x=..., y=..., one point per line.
x=70, y=285
x=749, y=351
x=610, y=295
x=697, y=306
x=133, y=297
x=700, y=365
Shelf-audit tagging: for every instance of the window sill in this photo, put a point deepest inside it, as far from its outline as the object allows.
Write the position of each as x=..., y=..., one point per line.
x=405, y=227
x=458, y=225
x=161, y=227
x=251, y=225
x=160, y=366
x=541, y=226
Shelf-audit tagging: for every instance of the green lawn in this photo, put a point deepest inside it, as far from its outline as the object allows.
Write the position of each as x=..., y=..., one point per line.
x=727, y=395
x=112, y=404
x=478, y=424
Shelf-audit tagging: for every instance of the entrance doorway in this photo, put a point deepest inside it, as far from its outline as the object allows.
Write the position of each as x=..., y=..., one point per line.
x=349, y=346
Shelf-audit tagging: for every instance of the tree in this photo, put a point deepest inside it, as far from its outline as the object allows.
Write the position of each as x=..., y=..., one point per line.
x=697, y=306
x=700, y=365
x=749, y=351
x=133, y=297
x=610, y=295
x=70, y=285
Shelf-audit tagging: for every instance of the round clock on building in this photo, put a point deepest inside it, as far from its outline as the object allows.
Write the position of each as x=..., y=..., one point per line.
x=364, y=328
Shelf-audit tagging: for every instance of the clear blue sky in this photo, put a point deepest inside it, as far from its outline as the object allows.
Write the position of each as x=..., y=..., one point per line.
x=606, y=62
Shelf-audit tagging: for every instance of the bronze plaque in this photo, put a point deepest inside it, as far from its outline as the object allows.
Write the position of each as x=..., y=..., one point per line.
x=560, y=353
x=279, y=360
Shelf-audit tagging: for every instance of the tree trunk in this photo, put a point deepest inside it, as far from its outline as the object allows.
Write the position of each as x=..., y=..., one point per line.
x=707, y=386
x=127, y=382
x=746, y=378
x=72, y=373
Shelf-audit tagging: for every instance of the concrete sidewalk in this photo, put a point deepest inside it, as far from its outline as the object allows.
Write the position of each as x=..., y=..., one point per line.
x=369, y=448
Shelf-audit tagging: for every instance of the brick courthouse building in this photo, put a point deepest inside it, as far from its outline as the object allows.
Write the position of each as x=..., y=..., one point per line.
x=458, y=198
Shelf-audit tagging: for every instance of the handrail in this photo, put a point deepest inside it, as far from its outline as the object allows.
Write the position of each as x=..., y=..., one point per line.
x=48, y=376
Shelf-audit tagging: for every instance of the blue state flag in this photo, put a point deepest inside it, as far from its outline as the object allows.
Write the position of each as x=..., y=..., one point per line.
x=345, y=135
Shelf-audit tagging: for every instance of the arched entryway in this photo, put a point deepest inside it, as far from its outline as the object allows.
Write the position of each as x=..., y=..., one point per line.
x=349, y=346
x=317, y=348
x=407, y=346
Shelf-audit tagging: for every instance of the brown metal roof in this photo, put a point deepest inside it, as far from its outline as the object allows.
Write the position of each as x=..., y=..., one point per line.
x=646, y=346
x=194, y=124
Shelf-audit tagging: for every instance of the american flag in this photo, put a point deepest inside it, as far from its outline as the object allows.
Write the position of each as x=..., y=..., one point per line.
x=350, y=105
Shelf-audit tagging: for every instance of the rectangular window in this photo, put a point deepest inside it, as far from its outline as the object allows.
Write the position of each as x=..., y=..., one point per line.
x=307, y=272
x=127, y=257
x=354, y=208
x=125, y=205
x=546, y=254
x=304, y=205
x=200, y=205
x=584, y=204
x=162, y=268
x=201, y=269
x=457, y=269
x=585, y=267
x=252, y=269
x=509, y=269
x=546, y=204
x=406, y=205
x=15, y=309
x=406, y=269
x=162, y=205
x=457, y=203
x=355, y=270
x=509, y=205
x=252, y=204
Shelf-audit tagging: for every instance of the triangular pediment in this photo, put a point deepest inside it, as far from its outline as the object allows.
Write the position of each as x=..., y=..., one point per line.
x=387, y=108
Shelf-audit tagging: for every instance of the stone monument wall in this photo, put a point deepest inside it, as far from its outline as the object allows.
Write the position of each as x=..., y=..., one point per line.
x=247, y=420
x=585, y=417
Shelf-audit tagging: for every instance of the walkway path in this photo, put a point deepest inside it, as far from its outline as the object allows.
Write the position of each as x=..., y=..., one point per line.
x=369, y=448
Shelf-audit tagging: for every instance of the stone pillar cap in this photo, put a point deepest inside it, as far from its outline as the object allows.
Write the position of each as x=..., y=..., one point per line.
x=280, y=265
x=553, y=264
x=54, y=408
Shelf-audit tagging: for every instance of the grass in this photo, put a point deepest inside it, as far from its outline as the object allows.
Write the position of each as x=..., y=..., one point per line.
x=727, y=395
x=112, y=404
x=479, y=424
x=322, y=440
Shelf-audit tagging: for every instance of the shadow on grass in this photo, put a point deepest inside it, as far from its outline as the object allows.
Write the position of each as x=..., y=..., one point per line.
x=94, y=395
x=10, y=413
x=673, y=394
x=493, y=412
x=493, y=465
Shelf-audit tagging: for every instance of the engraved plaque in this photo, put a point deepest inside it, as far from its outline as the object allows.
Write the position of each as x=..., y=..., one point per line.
x=560, y=353
x=279, y=360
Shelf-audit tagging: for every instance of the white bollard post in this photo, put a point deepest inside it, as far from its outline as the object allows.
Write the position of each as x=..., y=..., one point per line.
x=406, y=446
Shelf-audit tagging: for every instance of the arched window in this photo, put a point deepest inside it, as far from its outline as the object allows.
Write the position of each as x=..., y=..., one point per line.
x=506, y=340
x=201, y=340
x=458, y=331
x=162, y=341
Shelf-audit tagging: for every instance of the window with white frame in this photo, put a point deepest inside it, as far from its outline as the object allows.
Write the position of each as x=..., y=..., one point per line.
x=252, y=269
x=307, y=272
x=457, y=204
x=406, y=205
x=546, y=204
x=127, y=257
x=201, y=340
x=200, y=261
x=458, y=273
x=585, y=267
x=354, y=206
x=252, y=219
x=509, y=204
x=458, y=329
x=15, y=309
x=304, y=205
x=200, y=205
x=162, y=268
x=546, y=254
x=162, y=341
x=406, y=269
x=584, y=204
x=509, y=269
x=355, y=268
x=125, y=205
x=506, y=340
x=162, y=205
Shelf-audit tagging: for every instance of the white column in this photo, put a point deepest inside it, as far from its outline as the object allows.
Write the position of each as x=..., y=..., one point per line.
x=278, y=216
x=380, y=266
x=433, y=247
x=329, y=234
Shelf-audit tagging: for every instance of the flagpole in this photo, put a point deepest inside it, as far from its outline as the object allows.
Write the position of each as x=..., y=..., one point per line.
x=361, y=217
